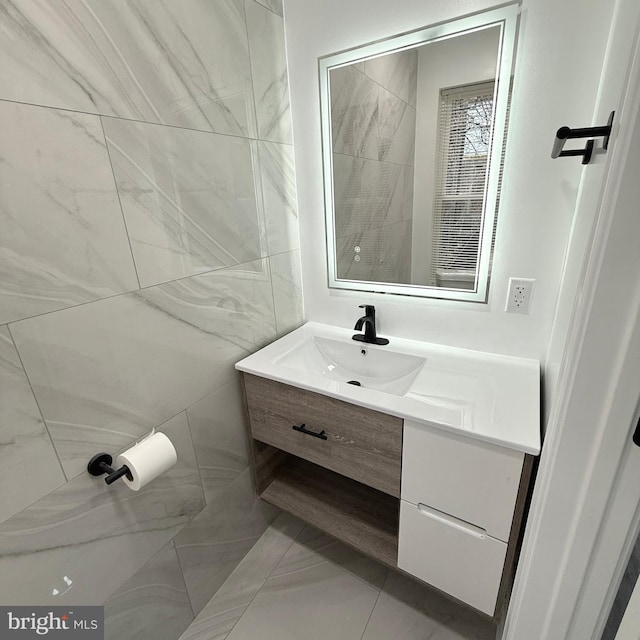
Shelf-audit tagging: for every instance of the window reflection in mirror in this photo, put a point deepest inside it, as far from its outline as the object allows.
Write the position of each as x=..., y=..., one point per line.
x=412, y=133
x=462, y=150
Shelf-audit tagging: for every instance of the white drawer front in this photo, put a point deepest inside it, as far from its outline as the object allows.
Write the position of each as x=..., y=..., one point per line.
x=450, y=556
x=472, y=480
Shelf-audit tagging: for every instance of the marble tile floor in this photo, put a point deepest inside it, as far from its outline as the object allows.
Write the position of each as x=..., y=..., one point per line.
x=299, y=584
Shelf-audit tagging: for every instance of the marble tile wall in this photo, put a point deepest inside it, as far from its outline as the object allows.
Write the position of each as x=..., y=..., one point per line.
x=373, y=129
x=150, y=240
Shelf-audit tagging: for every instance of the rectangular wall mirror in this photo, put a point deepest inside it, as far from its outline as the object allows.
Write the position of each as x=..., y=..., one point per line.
x=412, y=134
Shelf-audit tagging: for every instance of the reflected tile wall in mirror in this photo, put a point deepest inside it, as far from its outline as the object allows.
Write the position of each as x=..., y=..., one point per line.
x=371, y=194
x=396, y=130
x=397, y=73
x=273, y=5
x=374, y=131
x=354, y=113
x=385, y=254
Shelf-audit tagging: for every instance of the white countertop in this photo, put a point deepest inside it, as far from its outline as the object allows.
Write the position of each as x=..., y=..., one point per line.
x=489, y=397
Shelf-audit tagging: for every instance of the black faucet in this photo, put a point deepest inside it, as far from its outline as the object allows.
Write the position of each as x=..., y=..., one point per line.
x=368, y=320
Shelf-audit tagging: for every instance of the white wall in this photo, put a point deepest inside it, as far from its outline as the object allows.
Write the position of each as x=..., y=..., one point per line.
x=585, y=220
x=441, y=65
x=557, y=71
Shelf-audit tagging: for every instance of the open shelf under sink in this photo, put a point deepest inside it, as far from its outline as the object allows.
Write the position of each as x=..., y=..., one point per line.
x=362, y=517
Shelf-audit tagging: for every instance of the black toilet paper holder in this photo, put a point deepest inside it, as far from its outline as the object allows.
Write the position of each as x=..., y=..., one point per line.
x=101, y=464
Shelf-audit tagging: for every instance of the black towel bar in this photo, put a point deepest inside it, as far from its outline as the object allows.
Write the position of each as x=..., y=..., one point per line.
x=565, y=133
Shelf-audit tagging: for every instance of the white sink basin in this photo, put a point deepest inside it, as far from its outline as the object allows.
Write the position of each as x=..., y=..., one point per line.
x=486, y=396
x=371, y=366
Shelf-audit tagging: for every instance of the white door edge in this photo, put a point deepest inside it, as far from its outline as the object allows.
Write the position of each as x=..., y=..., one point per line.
x=554, y=593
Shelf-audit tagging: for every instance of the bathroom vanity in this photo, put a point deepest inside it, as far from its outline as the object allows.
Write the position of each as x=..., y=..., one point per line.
x=418, y=455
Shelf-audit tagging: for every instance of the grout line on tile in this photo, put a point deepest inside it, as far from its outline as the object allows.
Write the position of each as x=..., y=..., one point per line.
x=157, y=124
x=134, y=291
x=395, y=95
x=213, y=494
x=355, y=575
x=186, y=588
x=233, y=378
x=375, y=603
x=148, y=430
x=258, y=188
x=186, y=415
x=201, y=273
x=254, y=111
x=283, y=253
x=365, y=158
x=218, y=543
x=337, y=564
x=273, y=299
x=155, y=426
x=258, y=164
x=158, y=552
x=72, y=306
x=264, y=6
x=263, y=582
x=44, y=422
x=115, y=184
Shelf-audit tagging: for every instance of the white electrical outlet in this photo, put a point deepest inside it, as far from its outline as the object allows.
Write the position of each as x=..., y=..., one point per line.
x=519, y=295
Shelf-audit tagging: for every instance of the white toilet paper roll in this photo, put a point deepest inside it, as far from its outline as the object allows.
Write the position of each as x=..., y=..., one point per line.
x=147, y=460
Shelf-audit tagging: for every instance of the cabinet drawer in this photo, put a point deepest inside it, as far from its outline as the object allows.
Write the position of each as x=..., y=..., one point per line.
x=471, y=480
x=457, y=559
x=361, y=444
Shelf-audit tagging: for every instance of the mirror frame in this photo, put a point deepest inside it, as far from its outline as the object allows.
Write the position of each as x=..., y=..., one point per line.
x=506, y=18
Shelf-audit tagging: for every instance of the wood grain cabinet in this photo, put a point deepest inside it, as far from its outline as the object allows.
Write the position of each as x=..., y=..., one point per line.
x=443, y=508
x=358, y=443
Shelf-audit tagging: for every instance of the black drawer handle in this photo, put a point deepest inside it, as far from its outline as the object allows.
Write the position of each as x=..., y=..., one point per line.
x=302, y=429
